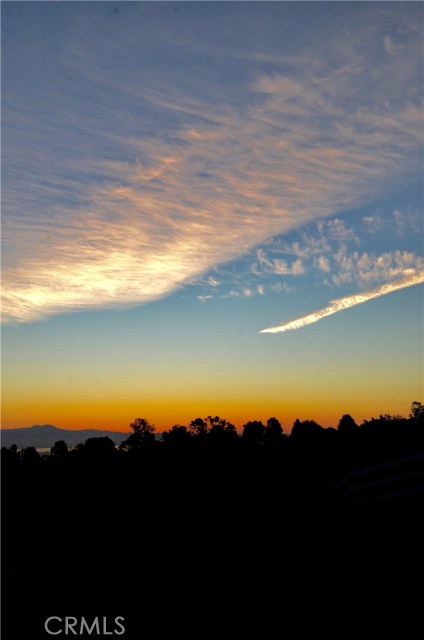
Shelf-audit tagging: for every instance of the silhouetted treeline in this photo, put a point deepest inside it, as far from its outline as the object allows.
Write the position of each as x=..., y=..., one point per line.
x=204, y=525
x=375, y=440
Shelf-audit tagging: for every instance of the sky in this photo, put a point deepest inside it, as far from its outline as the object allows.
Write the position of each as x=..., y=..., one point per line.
x=211, y=208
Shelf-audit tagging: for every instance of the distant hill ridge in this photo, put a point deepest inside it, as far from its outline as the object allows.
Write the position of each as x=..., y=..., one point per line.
x=43, y=436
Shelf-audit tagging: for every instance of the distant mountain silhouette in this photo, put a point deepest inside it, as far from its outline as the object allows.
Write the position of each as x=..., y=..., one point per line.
x=45, y=435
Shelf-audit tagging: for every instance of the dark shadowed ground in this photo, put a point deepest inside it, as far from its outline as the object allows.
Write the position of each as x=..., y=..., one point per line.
x=314, y=534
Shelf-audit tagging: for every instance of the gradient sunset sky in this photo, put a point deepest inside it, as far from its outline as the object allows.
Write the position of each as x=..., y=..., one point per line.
x=211, y=208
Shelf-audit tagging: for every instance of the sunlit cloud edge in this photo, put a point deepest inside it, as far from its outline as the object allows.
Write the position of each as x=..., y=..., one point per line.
x=346, y=303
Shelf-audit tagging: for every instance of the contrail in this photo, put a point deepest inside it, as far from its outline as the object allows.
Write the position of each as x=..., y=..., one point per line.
x=345, y=303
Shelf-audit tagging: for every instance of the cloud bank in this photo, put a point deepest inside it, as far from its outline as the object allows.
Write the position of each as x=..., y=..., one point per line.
x=346, y=303
x=111, y=218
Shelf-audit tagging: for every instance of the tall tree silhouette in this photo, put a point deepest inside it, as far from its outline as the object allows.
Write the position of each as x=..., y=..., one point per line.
x=143, y=433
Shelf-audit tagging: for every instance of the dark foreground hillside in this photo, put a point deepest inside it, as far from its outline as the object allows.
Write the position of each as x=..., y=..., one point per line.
x=202, y=537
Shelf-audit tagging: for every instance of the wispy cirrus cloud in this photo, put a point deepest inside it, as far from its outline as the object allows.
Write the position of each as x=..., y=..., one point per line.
x=347, y=302
x=128, y=217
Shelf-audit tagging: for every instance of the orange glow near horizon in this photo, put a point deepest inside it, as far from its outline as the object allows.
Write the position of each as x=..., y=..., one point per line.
x=117, y=416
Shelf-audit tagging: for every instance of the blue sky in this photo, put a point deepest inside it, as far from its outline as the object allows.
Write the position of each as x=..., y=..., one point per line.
x=177, y=177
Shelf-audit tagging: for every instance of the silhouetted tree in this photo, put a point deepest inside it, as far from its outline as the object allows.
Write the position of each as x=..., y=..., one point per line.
x=253, y=432
x=14, y=450
x=384, y=422
x=417, y=412
x=306, y=430
x=10, y=457
x=273, y=431
x=220, y=431
x=143, y=433
x=178, y=436
x=95, y=450
x=198, y=427
x=347, y=424
x=30, y=456
x=213, y=429
x=100, y=447
x=59, y=450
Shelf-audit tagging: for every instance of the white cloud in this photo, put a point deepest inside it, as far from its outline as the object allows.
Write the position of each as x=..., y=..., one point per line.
x=373, y=223
x=336, y=230
x=280, y=267
x=204, y=298
x=318, y=241
x=329, y=253
x=392, y=48
x=369, y=268
x=346, y=303
x=408, y=222
x=276, y=266
x=213, y=282
x=279, y=287
x=323, y=264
